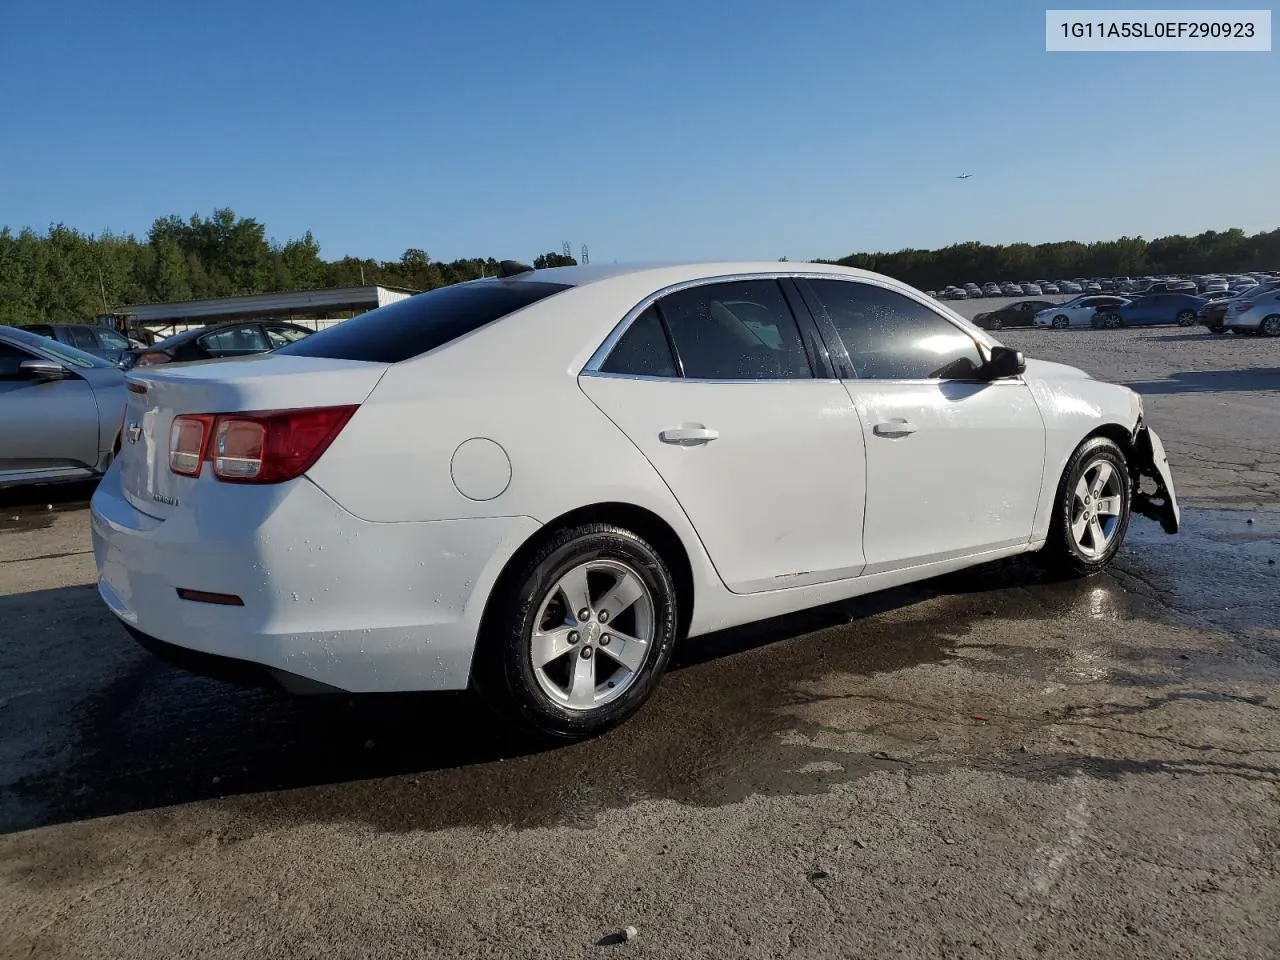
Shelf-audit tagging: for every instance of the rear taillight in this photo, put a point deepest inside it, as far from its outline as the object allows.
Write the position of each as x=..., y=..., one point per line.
x=150, y=359
x=188, y=437
x=1240, y=306
x=257, y=447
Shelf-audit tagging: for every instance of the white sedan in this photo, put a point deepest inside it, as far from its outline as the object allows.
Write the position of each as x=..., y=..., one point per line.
x=539, y=483
x=1074, y=313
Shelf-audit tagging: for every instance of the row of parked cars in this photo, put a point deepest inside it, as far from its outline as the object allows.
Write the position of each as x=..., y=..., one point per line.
x=62, y=393
x=239, y=339
x=1253, y=310
x=1194, y=285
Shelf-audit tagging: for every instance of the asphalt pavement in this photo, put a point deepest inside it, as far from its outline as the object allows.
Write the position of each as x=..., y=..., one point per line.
x=990, y=764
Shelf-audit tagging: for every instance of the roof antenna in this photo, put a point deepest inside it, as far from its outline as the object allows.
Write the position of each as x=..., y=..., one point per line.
x=513, y=268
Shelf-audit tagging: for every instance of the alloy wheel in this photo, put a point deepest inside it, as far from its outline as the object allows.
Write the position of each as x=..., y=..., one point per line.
x=592, y=633
x=1095, y=508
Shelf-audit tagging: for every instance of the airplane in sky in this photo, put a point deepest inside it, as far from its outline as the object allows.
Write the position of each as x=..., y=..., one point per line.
x=964, y=176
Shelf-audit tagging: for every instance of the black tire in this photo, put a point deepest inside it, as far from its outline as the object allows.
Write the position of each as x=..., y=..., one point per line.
x=503, y=671
x=1061, y=553
x=995, y=323
x=1270, y=325
x=1186, y=318
x=1114, y=321
x=1061, y=322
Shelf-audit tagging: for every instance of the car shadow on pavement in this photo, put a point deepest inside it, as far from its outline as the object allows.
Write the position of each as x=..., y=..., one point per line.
x=1211, y=381
x=95, y=726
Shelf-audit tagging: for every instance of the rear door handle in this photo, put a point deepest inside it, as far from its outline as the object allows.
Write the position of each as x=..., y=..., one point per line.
x=894, y=428
x=688, y=434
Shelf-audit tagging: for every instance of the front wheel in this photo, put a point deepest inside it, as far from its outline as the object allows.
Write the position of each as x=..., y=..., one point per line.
x=1186, y=318
x=1061, y=322
x=578, y=637
x=995, y=323
x=1090, y=511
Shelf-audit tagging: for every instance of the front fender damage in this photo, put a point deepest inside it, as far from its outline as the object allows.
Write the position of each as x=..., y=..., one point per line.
x=1149, y=462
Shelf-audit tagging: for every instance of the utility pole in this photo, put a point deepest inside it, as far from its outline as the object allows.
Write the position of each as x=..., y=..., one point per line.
x=585, y=257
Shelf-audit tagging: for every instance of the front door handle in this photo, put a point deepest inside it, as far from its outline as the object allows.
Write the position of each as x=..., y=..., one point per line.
x=688, y=434
x=895, y=428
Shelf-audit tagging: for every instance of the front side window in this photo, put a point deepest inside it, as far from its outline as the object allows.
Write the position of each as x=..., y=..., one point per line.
x=735, y=330
x=889, y=336
x=283, y=336
x=81, y=337
x=235, y=340
x=112, y=340
x=643, y=350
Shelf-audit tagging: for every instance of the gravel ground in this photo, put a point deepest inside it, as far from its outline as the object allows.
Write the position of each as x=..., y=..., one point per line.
x=985, y=765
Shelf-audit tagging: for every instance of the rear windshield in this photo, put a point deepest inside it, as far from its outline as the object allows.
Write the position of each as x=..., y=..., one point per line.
x=422, y=322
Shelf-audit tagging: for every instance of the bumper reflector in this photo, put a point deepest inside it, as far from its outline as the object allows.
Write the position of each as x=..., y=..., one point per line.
x=204, y=596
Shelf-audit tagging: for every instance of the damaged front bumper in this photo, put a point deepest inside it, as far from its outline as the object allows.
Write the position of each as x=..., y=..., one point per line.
x=1150, y=462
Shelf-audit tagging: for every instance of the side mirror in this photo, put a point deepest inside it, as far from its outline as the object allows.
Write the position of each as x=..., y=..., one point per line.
x=1004, y=363
x=43, y=370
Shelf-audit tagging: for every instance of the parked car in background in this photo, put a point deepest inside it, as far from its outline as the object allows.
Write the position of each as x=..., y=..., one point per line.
x=100, y=341
x=973, y=290
x=60, y=410
x=225, y=340
x=991, y=289
x=1019, y=314
x=1254, y=314
x=1047, y=288
x=1091, y=286
x=1009, y=289
x=562, y=596
x=1069, y=286
x=1075, y=313
x=1031, y=290
x=1151, y=310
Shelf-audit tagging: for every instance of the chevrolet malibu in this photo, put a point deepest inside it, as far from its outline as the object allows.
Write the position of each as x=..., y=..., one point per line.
x=536, y=484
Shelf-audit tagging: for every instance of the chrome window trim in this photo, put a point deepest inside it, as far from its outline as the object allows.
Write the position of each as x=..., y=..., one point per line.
x=597, y=359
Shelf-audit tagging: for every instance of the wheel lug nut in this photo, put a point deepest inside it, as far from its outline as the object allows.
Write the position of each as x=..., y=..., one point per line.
x=584, y=614
x=586, y=653
x=573, y=636
x=604, y=616
x=604, y=640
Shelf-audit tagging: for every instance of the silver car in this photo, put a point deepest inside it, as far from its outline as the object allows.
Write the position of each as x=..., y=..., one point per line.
x=1255, y=313
x=60, y=410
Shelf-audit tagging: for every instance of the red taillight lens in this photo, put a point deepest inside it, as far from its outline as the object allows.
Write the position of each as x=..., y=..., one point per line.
x=150, y=359
x=187, y=436
x=273, y=446
x=1240, y=306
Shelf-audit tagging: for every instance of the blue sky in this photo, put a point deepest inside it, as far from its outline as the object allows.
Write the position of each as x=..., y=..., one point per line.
x=652, y=131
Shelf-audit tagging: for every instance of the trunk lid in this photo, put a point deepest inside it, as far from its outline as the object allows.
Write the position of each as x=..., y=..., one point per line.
x=264, y=382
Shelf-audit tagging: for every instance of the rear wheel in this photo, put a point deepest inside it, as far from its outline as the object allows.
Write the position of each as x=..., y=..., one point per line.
x=578, y=637
x=1186, y=318
x=1090, y=511
x=1270, y=326
x=1113, y=321
x=995, y=323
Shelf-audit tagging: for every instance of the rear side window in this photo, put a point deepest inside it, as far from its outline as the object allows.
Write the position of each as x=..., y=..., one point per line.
x=422, y=322
x=643, y=349
x=736, y=330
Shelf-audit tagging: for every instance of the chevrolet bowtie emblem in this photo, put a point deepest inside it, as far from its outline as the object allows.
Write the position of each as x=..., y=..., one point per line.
x=135, y=431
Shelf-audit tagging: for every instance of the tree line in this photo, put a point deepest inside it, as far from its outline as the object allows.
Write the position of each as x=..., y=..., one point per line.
x=64, y=275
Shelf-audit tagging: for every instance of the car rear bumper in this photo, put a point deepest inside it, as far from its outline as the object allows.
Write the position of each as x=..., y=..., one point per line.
x=339, y=602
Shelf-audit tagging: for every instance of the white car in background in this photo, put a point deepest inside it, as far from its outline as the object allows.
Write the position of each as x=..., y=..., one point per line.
x=1075, y=313
x=539, y=483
